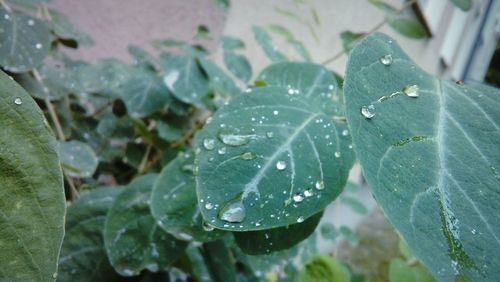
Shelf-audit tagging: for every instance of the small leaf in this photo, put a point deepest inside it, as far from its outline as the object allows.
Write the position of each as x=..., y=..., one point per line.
x=231, y=43
x=219, y=81
x=301, y=50
x=349, y=39
x=276, y=239
x=133, y=240
x=328, y=231
x=324, y=269
x=407, y=27
x=354, y=204
x=349, y=235
x=432, y=158
x=169, y=132
x=65, y=29
x=185, y=79
x=77, y=158
x=315, y=17
x=202, y=32
x=238, y=65
x=263, y=164
x=463, y=5
x=266, y=44
x=83, y=257
x=174, y=203
x=388, y=9
x=32, y=205
x=224, y=4
x=24, y=41
x=281, y=30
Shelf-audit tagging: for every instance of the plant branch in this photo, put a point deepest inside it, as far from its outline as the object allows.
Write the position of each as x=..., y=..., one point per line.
x=143, y=166
x=5, y=6
x=187, y=135
x=372, y=30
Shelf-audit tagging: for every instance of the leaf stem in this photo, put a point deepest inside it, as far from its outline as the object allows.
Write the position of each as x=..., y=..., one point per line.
x=372, y=30
x=5, y=6
x=187, y=135
x=143, y=166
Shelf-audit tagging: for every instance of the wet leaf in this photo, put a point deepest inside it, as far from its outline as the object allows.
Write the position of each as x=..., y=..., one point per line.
x=430, y=154
x=238, y=65
x=32, y=205
x=77, y=158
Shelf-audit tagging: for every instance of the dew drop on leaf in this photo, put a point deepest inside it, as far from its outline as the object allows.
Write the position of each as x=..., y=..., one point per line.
x=235, y=140
x=320, y=185
x=308, y=193
x=207, y=227
x=386, y=60
x=411, y=91
x=248, y=156
x=209, y=143
x=209, y=206
x=345, y=132
x=38, y=46
x=270, y=134
x=298, y=198
x=234, y=211
x=300, y=219
x=368, y=111
x=337, y=154
x=221, y=151
x=280, y=165
x=18, y=101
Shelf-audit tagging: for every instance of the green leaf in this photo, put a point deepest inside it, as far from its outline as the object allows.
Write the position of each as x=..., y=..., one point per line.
x=355, y=204
x=220, y=82
x=218, y=261
x=65, y=29
x=430, y=153
x=202, y=32
x=315, y=17
x=185, y=79
x=24, y=41
x=141, y=56
x=77, y=158
x=301, y=50
x=349, y=235
x=324, y=269
x=231, y=43
x=388, y=9
x=199, y=268
x=266, y=44
x=328, y=231
x=168, y=131
x=36, y=89
x=224, y=4
x=407, y=27
x=174, y=205
x=463, y=5
x=238, y=65
x=32, y=205
x=83, y=257
x=276, y=239
x=144, y=93
x=132, y=238
x=268, y=147
x=349, y=39
x=281, y=30
x=288, y=36
x=400, y=271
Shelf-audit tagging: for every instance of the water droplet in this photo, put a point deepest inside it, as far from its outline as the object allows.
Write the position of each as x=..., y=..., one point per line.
x=18, y=101
x=345, y=132
x=233, y=211
x=221, y=150
x=248, y=156
x=368, y=111
x=31, y=22
x=320, y=185
x=337, y=154
x=209, y=120
x=209, y=143
x=38, y=46
x=54, y=275
x=6, y=16
x=411, y=91
x=330, y=87
x=209, y=206
x=298, y=197
x=386, y=60
x=300, y=219
x=207, y=226
x=270, y=134
x=235, y=140
x=308, y=192
x=290, y=91
x=350, y=146
x=473, y=231
x=275, y=112
x=280, y=165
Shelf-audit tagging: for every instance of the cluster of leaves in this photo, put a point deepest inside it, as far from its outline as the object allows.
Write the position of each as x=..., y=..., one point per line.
x=175, y=195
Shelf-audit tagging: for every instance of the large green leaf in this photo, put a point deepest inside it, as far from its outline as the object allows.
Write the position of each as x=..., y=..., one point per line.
x=276, y=239
x=274, y=156
x=32, y=203
x=430, y=151
x=132, y=238
x=83, y=257
x=24, y=41
x=185, y=79
x=174, y=205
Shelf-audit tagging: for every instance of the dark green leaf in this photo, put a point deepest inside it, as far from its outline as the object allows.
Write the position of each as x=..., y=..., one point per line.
x=36, y=89
x=174, y=205
x=24, y=41
x=77, y=159
x=218, y=260
x=324, y=269
x=238, y=65
x=271, y=146
x=266, y=44
x=144, y=93
x=388, y=9
x=349, y=39
x=168, y=131
x=185, y=79
x=83, y=257
x=463, y=5
x=220, y=82
x=65, y=29
x=407, y=27
x=199, y=268
x=203, y=32
x=132, y=238
x=276, y=239
x=430, y=153
x=32, y=205
x=231, y=43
